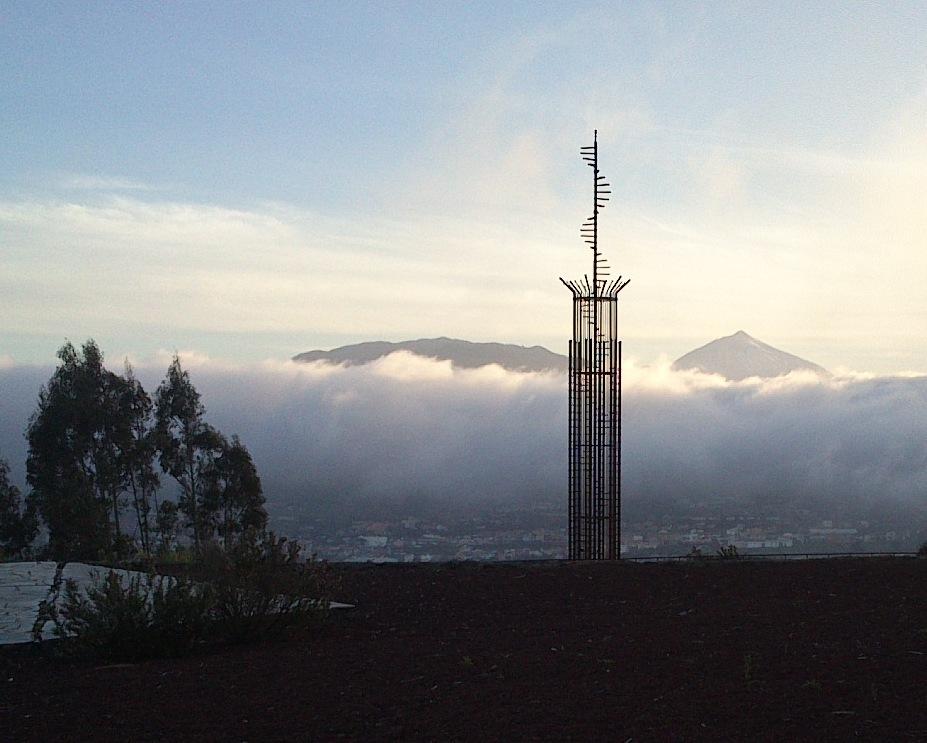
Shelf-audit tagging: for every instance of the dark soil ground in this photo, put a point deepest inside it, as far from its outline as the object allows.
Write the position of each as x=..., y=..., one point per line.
x=721, y=650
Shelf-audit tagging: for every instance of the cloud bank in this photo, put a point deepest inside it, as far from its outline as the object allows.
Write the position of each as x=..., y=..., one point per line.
x=406, y=430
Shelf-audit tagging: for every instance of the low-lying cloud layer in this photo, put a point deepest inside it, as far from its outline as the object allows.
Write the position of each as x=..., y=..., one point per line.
x=410, y=429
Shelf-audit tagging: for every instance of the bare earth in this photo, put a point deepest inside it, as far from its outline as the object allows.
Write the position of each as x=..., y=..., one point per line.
x=816, y=650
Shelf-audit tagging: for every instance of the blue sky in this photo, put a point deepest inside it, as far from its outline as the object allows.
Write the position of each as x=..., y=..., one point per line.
x=254, y=180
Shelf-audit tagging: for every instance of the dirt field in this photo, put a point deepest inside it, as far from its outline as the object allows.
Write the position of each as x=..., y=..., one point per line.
x=726, y=650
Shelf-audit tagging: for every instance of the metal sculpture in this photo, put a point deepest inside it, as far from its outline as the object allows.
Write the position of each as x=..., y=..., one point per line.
x=595, y=395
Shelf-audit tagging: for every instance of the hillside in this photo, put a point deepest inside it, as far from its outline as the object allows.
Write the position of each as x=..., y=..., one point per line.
x=462, y=354
x=739, y=356
x=727, y=650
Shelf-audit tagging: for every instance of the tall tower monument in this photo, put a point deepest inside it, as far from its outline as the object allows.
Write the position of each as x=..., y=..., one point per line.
x=595, y=395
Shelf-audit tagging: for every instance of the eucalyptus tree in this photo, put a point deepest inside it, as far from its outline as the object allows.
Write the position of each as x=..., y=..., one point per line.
x=137, y=451
x=187, y=446
x=234, y=497
x=74, y=465
x=18, y=525
x=166, y=518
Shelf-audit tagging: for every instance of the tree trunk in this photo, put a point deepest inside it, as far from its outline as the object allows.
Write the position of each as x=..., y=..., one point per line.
x=194, y=506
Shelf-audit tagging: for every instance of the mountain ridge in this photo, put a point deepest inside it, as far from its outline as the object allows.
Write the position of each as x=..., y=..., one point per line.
x=462, y=354
x=735, y=357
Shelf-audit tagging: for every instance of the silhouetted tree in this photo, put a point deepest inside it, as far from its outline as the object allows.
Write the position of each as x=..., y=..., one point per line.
x=74, y=464
x=138, y=454
x=92, y=444
x=166, y=521
x=187, y=445
x=18, y=525
x=234, y=496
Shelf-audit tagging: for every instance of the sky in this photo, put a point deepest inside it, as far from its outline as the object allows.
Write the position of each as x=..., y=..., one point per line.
x=249, y=181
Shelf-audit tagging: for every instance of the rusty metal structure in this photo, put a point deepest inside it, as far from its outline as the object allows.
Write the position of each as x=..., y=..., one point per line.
x=595, y=395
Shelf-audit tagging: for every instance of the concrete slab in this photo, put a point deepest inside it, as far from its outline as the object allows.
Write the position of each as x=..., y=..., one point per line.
x=18, y=608
x=23, y=586
x=27, y=573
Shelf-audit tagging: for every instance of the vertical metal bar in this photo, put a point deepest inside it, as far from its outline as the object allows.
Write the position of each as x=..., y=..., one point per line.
x=614, y=527
x=577, y=470
x=595, y=214
x=596, y=435
x=604, y=431
x=590, y=450
x=570, y=450
x=618, y=448
x=600, y=415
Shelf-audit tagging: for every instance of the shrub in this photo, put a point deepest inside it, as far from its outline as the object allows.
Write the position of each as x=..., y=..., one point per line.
x=121, y=617
x=255, y=591
x=262, y=586
x=728, y=553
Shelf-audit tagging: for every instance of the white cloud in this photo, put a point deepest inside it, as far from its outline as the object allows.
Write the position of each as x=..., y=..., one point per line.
x=330, y=435
x=101, y=183
x=268, y=269
x=820, y=246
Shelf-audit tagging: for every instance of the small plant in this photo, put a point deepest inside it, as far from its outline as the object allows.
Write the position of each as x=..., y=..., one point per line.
x=256, y=590
x=263, y=586
x=121, y=617
x=176, y=556
x=728, y=553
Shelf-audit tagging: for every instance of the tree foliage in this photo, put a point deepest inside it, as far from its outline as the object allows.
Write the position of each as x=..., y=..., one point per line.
x=138, y=455
x=167, y=522
x=233, y=495
x=187, y=446
x=73, y=464
x=18, y=524
x=94, y=441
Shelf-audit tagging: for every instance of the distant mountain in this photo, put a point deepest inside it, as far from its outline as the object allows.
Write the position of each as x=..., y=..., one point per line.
x=462, y=354
x=740, y=356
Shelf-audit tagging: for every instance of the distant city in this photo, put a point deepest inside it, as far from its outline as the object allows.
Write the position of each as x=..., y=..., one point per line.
x=538, y=532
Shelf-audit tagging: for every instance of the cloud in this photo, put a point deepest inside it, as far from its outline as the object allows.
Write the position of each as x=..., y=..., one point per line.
x=270, y=269
x=344, y=440
x=840, y=239
x=102, y=183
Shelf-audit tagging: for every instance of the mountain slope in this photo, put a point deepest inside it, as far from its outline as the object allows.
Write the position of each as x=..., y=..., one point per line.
x=740, y=356
x=462, y=354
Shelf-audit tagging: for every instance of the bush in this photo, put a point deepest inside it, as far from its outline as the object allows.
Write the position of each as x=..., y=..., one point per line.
x=728, y=553
x=121, y=617
x=262, y=586
x=922, y=551
x=252, y=592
